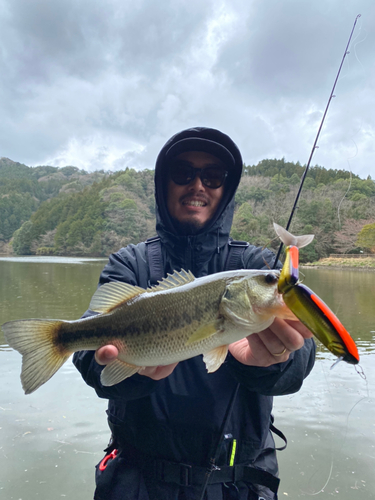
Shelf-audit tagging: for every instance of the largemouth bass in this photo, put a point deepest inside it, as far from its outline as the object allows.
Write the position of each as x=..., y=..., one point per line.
x=180, y=318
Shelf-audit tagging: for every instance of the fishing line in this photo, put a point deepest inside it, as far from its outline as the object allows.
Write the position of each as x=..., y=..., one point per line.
x=362, y=374
x=325, y=485
x=359, y=42
x=316, y=139
x=354, y=45
x=343, y=198
x=331, y=447
x=343, y=437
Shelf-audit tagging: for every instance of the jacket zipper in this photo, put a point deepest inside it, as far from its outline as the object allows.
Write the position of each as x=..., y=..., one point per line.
x=190, y=253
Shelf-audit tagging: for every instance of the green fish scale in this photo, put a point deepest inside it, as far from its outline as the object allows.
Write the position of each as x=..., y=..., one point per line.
x=167, y=320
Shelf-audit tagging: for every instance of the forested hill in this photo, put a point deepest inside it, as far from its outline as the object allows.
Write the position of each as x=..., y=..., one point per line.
x=13, y=170
x=23, y=189
x=67, y=211
x=270, y=168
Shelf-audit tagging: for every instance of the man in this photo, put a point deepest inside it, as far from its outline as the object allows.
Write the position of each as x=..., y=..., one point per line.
x=166, y=420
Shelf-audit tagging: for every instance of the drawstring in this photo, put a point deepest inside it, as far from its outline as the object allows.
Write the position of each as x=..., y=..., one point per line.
x=217, y=238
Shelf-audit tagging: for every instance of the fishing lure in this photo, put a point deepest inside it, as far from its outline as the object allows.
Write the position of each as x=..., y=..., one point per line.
x=307, y=306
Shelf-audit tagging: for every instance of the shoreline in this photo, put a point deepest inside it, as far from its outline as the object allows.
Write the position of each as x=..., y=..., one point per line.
x=350, y=268
x=366, y=264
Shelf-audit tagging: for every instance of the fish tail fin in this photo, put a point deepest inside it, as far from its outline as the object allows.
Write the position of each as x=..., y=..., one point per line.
x=290, y=240
x=35, y=339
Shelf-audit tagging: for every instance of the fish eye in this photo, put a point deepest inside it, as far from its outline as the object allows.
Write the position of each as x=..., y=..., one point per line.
x=270, y=278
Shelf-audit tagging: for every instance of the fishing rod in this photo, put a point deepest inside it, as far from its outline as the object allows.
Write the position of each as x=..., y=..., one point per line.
x=316, y=140
x=216, y=449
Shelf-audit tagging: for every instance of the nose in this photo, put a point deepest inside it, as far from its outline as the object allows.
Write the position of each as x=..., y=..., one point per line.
x=196, y=183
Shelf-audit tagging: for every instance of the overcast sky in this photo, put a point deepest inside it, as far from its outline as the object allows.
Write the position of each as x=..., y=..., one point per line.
x=102, y=84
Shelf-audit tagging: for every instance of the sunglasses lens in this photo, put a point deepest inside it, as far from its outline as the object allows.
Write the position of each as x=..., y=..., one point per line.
x=182, y=174
x=212, y=177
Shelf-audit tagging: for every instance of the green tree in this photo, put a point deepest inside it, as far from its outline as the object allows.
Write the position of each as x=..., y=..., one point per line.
x=295, y=180
x=274, y=167
x=259, y=195
x=366, y=237
x=61, y=235
x=309, y=183
x=317, y=213
x=23, y=239
x=15, y=209
x=244, y=223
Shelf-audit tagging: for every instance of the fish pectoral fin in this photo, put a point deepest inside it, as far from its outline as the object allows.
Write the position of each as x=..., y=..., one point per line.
x=215, y=358
x=203, y=332
x=111, y=295
x=173, y=280
x=117, y=371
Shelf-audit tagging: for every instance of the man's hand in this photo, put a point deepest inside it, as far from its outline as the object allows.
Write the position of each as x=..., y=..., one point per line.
x=272, y=345
x=108, y=353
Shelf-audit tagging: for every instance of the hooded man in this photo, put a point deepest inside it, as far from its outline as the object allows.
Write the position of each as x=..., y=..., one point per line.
x=166, y=421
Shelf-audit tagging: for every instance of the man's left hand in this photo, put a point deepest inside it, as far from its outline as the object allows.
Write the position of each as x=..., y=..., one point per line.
x=272, y=345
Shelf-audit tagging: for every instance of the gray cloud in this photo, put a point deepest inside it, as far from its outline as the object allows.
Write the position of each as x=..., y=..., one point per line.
x=104, y=84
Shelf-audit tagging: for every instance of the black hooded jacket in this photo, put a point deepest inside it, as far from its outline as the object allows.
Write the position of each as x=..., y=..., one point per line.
x=178, y=418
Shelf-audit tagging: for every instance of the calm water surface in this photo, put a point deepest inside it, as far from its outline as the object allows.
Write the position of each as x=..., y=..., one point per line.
x=51, y=439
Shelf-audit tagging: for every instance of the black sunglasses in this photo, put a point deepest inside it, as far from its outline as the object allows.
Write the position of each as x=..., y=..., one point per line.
x=211, y=177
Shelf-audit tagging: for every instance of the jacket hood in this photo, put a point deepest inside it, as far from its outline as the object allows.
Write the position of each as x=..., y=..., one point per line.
x=216, y=232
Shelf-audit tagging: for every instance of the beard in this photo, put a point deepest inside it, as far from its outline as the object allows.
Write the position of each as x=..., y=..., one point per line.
x=187, y=228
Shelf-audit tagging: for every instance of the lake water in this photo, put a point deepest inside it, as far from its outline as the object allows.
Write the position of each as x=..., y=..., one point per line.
x=51, y=439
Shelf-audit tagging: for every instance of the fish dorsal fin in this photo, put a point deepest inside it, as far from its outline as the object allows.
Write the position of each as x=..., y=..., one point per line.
x=290, y=240
x=178, y=278
x=111, y=295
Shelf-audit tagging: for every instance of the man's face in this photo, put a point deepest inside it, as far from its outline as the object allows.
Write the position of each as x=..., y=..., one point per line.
x=194, y=204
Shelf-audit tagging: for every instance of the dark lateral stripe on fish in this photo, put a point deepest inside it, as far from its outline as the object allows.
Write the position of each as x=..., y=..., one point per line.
x=72, y=333
x=86, y=330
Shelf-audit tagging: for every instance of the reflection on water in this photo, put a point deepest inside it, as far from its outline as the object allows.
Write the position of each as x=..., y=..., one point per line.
x=46, y=288
x=51, y=439
x=51, y=260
